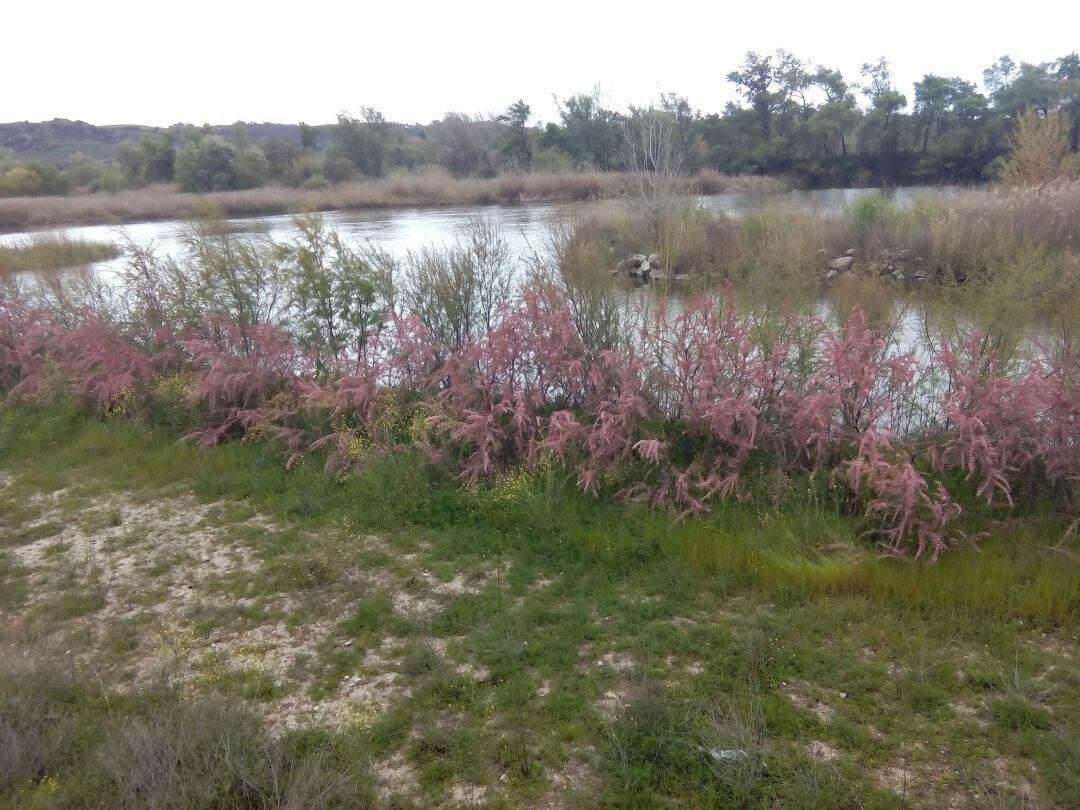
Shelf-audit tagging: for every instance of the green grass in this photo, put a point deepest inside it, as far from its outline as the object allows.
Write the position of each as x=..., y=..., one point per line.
x=596, y=645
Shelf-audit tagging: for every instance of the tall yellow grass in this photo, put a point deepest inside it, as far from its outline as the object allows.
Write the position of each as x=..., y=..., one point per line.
x=44, y=253
x=429, y=187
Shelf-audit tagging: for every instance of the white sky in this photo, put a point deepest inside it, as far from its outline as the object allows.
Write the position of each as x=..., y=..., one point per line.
x=152, y=62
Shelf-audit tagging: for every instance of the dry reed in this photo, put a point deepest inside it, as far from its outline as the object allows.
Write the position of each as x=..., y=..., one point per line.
x=430, y=187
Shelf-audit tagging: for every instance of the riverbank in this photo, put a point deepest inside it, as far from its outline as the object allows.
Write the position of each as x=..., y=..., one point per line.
x=390, y=638
x=423, y=188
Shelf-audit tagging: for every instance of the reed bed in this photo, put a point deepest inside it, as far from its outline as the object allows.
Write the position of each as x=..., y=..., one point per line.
x=44, y=253
x=429, y=187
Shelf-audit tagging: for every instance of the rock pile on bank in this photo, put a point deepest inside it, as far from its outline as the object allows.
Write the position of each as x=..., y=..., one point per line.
x=898, y=265
x=637, y=265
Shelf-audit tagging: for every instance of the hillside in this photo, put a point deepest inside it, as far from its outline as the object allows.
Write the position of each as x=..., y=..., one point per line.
x=56, y=140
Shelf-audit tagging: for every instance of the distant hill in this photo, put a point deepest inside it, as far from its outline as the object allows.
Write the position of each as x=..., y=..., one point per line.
x=57, y=140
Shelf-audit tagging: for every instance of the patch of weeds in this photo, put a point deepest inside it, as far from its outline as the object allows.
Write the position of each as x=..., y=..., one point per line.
x=391, y=729
x=70, y=604
x=453, y=692
x=652, y=752
x=95, y=521
x=293, y=572
x=373, y=617
x=13, y=585
x=467, y=612
x=1059, y=762
x=448, y=749
x=249, y=683
x=420, y=659
x=206, y=618
x=1016, y=714
x=31, y=534
x=121, y=638
x=72, y=744
x=148, y=597
x=54, y=550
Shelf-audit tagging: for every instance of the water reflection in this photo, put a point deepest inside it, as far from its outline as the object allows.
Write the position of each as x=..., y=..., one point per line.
x=399, y=230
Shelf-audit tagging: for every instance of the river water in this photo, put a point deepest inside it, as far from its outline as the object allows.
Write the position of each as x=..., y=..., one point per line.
x=399, y=230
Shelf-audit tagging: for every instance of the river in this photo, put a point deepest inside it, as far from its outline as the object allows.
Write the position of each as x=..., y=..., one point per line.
x=399, y=230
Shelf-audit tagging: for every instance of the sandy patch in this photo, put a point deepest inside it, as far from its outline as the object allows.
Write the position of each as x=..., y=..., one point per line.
x=821, y=751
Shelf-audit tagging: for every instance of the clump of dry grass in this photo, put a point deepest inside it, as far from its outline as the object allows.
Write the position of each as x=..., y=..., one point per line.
x=44, y=253
x=956, y=235
x=428, y=187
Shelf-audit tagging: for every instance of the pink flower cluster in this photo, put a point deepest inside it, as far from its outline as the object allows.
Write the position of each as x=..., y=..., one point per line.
x=684, y=413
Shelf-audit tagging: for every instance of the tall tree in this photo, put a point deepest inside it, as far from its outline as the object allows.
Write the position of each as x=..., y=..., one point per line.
x=517, y=148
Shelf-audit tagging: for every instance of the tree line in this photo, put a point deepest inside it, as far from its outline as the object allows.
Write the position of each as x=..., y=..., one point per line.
x=803, y=121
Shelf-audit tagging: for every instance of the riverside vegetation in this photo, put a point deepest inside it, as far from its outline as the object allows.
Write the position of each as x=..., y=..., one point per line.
x=45, y=253
x=422, y=187
x=459, y=534
x=806, y=123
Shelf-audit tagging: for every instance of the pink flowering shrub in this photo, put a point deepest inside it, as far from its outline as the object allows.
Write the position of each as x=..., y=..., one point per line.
x=694, y=401
x=913, y=518
x=1000, y=426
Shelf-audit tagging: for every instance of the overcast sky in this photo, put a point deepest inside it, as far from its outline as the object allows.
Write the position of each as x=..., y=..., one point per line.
x=147, y=62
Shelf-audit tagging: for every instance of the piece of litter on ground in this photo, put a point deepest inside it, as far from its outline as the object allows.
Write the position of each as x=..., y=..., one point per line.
x=727, y=754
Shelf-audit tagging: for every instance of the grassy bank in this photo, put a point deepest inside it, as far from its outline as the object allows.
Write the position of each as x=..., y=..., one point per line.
x=422, y=188
x=392, y=638
x=46, y=253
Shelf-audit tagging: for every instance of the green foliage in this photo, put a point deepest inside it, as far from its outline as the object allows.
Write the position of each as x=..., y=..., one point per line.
x=604, y=641
x=338, y=297
x=64, y=744
x=362, y=141
x=31, y=180
x=1040, y=149
x=517, y=146
x=456, y=293
x=151, y=160
x=211, y=163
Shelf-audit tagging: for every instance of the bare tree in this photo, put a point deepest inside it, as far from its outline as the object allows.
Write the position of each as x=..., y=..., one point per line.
x=650, y=138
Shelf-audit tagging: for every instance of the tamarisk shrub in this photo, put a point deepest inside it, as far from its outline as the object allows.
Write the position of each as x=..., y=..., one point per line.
x=688, y=403
x=996, y=423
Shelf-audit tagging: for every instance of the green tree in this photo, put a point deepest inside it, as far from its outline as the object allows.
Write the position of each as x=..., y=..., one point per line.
x=309, y=136
x=516, y=147
x=465, y=145
x=206, y=163
x=362, y=141
x=338, y=298
x=251, y=167
x=589, y=133
x=883, y=117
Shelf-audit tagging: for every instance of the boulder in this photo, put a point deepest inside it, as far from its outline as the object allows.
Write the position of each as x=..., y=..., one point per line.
x=841, y=263
x=904, y=255
x=654, y=259
x=849, y=252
